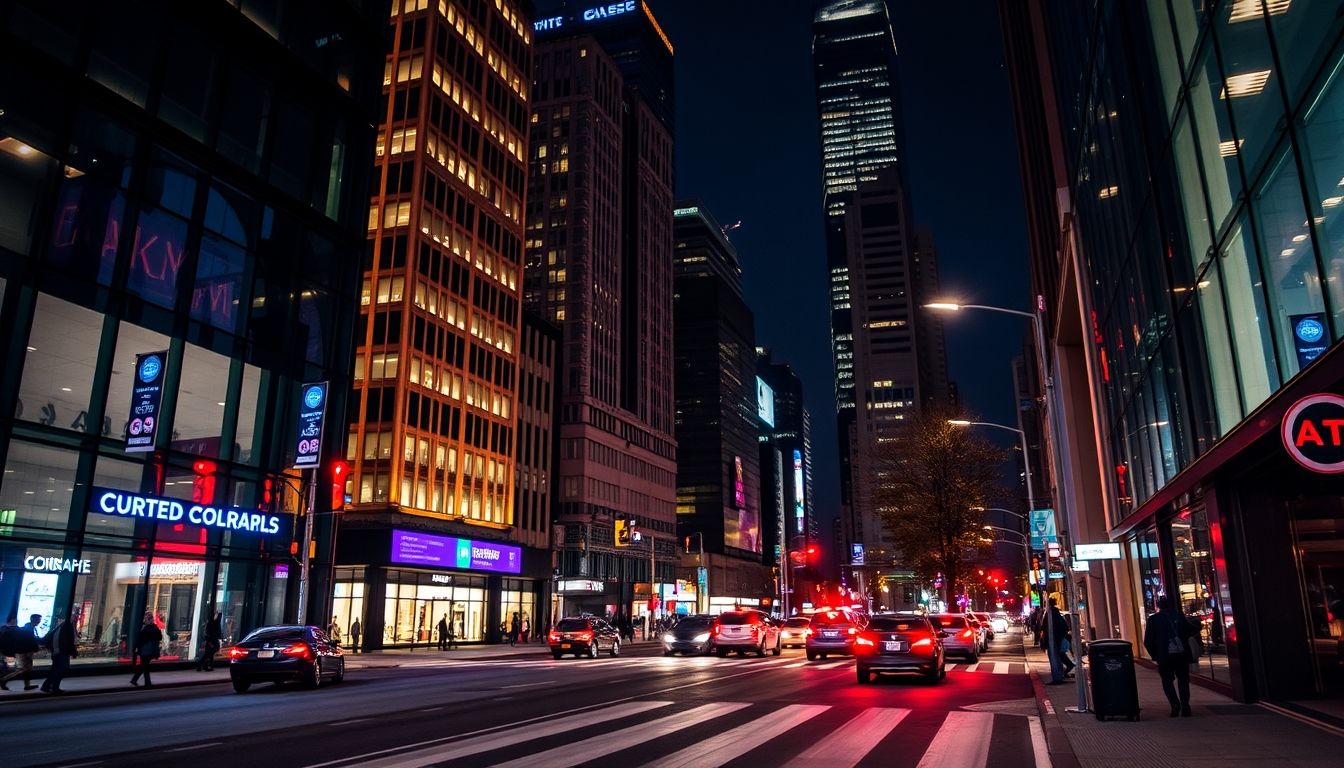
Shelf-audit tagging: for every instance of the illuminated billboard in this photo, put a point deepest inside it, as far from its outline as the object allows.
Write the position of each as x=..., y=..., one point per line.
x=765, y=402
x=799, y=510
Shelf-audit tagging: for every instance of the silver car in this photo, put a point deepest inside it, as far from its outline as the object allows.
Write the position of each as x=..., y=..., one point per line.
x=961, y=638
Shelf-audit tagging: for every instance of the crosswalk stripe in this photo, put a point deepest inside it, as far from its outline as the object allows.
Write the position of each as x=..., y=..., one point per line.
x=509, y=737
x=973, y=667
x=833, y=665
x=1001, y=667
x=568, y=755
x=795, y=665
x=949, y=667
x=740, y=740
x=847, y=745
x=962, y=741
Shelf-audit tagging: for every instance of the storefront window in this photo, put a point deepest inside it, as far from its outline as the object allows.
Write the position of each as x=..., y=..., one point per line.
x=37, y=488
x=201, y=396
x=1147, y=574
x=58, y=368
x=417, y=600
x=1198, y=590
x=519, y=598
x=1319, y=538
x=348, y=602
x=1248, y=316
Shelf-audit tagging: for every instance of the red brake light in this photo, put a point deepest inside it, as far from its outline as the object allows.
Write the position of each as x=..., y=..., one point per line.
x=853, y=631
x=553, y=637
x=299, y=650
x=586, y=637
x=921, y=643
x=237, y=653
x=861, y=640
x=968, y=633
x=716, y=630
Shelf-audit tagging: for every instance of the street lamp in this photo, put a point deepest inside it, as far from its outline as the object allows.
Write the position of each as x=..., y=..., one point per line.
x=1026, y=457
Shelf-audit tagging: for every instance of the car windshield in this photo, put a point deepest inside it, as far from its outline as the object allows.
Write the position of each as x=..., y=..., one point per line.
x=275, y=634
x=830, y=620
x=948, y=622
x=695, y=623
x=797, y=622
x=897, y=625
x=735, y=618
x=571, y=625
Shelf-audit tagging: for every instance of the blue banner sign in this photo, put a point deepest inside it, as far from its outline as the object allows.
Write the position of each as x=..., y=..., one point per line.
x=106, y=501
x=312, y=409
x=146, y=398
x=1042, y=528
x=1311, y=336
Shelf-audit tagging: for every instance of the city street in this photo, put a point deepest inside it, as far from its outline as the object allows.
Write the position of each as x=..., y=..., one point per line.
x=637, y=709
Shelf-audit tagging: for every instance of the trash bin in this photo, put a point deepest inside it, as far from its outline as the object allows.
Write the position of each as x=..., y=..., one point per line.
x=1115, y=690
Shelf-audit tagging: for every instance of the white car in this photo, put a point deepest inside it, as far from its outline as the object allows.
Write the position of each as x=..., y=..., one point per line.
x=999, y=624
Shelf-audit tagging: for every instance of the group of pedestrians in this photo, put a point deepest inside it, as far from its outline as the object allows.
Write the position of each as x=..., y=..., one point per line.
x=22, y=643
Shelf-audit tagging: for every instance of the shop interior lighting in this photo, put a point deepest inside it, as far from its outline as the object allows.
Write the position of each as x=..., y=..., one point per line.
x=1287, y=251
x=1246, y=10
x=17, y=148
x=1229, y=148
x=1331, y=202
x=1108, y=192
x=1299, y=238
x=1246, y=84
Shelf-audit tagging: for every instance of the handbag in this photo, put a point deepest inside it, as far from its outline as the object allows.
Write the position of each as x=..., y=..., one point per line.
x=1174, y=645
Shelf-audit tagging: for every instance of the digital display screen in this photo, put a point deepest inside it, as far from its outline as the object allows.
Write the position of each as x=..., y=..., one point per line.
x=449, y=552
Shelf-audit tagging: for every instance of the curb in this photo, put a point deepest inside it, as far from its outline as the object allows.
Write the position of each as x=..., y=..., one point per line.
x=31, y=696
x=1057, y=742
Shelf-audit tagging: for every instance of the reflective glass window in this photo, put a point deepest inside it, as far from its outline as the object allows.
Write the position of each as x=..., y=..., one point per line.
x=58, y=368
x=158, y=253
x=1324, y=160
x=24, y=173
x=1248, y=316
x=1304, y=31
x=184, y=99
x=126, y=43
x=38, y=485
x=252, y=415
x=242, y=121
x=201, y=396
x=1250, y=85
x=220, y=288
x=1198, y=592
x=1218, y=148
x=86, y=228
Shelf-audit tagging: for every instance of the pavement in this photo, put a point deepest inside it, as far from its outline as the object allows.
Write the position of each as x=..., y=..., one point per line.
x=107, y=681
x=1221, y=732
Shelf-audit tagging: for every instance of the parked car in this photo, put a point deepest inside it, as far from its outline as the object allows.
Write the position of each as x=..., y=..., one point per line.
x=981, y=633
x=832, y=633
x=986, y=622
x=744, y=631
x=892, y=643
x=794, y=632
x=279, y=654
x=690, y=635
x=962, y=639
x=584, y=636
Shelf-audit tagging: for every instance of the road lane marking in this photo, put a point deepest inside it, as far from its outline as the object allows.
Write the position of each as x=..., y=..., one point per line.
x=432, y=709
x=847, y=745
x=523, y=685
x=1001, y=667
x=834, y=665
x=1038, y=744
x=351, y=722
x=567, y=755
x=740, y=740
x=795, y=665
x=188, y=749
x=949, y=667
x=972, y=667
x=962, y=741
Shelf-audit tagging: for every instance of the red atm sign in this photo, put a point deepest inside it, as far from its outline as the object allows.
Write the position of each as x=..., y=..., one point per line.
x=1313, y=433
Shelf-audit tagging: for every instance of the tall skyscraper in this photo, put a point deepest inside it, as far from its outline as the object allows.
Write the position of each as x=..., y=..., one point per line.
x=599, y=266
x=718, y=415
x=182, y=211
x=786, y=470
x=889, y=356
x=433, y=428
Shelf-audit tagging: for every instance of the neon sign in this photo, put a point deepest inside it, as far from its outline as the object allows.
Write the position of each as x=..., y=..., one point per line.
x=605, y=11
x=122, y=504
x=799, y=510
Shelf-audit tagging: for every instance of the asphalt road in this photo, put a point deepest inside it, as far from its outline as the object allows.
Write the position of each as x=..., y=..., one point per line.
x=639, y=709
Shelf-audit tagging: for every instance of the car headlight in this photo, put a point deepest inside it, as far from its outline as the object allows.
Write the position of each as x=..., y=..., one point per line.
x=700, y=638
x=669, y=638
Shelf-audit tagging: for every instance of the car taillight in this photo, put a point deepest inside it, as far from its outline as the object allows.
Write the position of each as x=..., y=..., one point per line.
x=553, y=637
x=586, y=637
x=237, y=653
x=926, y=642
x=861, y=640
x=853, y=631
x=716, y=630
x=807, y=632
x=968, y=633
x=300, y=651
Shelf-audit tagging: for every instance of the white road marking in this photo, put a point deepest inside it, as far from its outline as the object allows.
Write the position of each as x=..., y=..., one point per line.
x=1001, y=667
x=848, y=744
x=834, y=665
x=1038, y=745
x=188, y=749
x=962, y=741
x=740, y=740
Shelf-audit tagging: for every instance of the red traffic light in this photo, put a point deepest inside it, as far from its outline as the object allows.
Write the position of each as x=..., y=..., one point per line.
x=339, y=470
x=203, y=485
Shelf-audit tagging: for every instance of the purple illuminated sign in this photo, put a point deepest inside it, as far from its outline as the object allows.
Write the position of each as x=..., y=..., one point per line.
x=448, y=552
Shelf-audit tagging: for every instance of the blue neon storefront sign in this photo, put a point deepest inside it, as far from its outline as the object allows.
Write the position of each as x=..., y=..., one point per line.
x=106, y=501
x=598, y=13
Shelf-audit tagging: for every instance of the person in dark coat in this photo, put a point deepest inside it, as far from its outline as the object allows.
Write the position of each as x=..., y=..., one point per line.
x=23, y=641
x=62, y=647
x=515, y=628
x=146, y=649
x=212, y=635
x=1061, y=665
x=355, y=631
x=443, y=632
x=1166, y=636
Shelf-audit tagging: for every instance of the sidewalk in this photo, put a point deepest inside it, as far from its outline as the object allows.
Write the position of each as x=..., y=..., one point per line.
x=1222, y=732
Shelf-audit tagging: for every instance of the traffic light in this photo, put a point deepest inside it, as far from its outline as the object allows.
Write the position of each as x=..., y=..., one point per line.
x=267, y=494
x=203, y=485
x=622, y=533
x=339, y=471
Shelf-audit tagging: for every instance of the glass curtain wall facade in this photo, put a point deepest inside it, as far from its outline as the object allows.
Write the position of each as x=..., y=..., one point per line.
x=1203, y=144
x=184, y=181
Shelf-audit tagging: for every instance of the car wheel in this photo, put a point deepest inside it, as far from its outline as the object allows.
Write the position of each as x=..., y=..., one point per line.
x=241, y=686
x=823, y=657
x=315, y=679
x=811, y=656
x=592, y=650
x=778, y=648
x=865, y=676
x=760, y=650
x=615, y=649
x=340, y=673
x=932, y=677
x=942, y=670
x=974, y=658
x=556, y=655
x=721, y=653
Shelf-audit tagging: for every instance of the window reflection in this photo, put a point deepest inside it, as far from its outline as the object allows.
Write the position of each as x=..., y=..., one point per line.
x=1199, y=591
x=1248, y=316
x=58, y=368
x=201, y=396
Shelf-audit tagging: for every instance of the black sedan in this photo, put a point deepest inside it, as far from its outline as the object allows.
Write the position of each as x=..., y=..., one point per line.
x=284, y=653
x=690, y=635
x=584, y=636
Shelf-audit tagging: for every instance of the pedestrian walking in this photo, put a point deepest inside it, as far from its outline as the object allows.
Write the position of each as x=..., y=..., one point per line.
x=1167, y=636
x=527, y=631
x=147, y=649
x=355, y=630
x=443, y=632
x=1060, y=664
x=334, y=631
x=24, y=645
x=61, y=642
x=213, y=633
x=515, y=629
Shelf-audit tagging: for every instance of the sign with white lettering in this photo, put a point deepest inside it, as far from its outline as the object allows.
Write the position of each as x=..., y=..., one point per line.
x=146, y=397
x=607, y=11
x=312, y=409
x=1310, y=336
x=41, y=564
x=1311, y=433
x=106, y=501
x=448, y=552
x=581, y=586
x=1104, y=551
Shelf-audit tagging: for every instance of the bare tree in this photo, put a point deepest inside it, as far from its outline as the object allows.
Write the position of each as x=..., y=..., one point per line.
x=928, y=480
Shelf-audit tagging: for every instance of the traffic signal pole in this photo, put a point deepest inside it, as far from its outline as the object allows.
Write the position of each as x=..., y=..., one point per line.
x=307, y=545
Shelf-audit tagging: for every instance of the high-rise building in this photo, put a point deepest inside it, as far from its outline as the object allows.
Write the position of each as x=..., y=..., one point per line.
x=786, y=470
x=434, y=530
x=1181, y=166
x=599, y=266
x=889, y=355
x=718, y=415
x=537, y=446
x=182, y=210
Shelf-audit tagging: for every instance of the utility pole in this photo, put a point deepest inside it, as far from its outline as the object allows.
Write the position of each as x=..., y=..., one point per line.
x=307, y=545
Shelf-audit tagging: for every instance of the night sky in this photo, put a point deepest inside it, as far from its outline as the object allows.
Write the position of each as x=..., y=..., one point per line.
x=748, y=146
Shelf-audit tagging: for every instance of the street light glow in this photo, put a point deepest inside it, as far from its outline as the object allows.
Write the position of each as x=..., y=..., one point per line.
x=959, y=422
x=943, y=305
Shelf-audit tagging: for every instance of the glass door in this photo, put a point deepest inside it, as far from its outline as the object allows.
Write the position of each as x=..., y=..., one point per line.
x=1318, y=527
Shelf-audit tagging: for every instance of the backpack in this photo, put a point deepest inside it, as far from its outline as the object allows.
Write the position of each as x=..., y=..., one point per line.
x=8, y=646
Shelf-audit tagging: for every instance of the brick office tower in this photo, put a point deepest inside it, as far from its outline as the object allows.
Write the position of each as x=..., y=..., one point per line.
x=599, y=265
x=432, y=531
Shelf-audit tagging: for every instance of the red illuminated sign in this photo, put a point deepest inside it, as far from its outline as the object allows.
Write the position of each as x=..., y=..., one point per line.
x=1312, y=430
